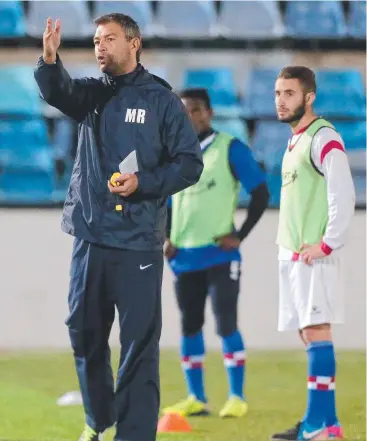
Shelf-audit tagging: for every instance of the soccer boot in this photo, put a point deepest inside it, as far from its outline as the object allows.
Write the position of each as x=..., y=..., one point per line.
x=303, y=432
x=235, y=407
x=90, y=434
x=191, y=406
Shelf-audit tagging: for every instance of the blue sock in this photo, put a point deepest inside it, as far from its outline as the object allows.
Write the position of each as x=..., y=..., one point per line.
x=234, y=361
x=192, y=353
x=321, y=385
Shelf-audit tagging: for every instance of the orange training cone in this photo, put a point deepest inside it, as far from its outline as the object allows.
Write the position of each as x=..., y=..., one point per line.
x=173, y=423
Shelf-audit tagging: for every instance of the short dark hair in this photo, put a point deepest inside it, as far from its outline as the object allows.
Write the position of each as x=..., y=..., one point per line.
x=128, y=24
x=197, y=94
x=303, y=74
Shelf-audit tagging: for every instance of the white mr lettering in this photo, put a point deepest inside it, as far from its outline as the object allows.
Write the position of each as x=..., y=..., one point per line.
x=135, y=115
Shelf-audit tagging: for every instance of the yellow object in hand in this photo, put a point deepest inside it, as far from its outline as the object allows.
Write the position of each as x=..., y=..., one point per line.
x=113, y=180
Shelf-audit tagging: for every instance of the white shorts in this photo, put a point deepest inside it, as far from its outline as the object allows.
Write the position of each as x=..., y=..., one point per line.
x=310, y=295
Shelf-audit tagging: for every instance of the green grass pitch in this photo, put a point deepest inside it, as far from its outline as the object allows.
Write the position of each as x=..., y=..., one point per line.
x=31, y=383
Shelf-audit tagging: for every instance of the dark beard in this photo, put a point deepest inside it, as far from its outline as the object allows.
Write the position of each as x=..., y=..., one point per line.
x=297, y=115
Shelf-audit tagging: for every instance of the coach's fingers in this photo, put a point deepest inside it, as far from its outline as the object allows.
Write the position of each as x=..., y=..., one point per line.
x=124, y=177
x=57, y=26
x=48, y=25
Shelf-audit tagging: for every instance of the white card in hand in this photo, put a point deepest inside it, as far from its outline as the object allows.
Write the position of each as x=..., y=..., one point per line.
x=129, y=164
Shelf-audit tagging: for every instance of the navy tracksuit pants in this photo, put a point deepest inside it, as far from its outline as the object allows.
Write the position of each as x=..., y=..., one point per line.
x=102, y=279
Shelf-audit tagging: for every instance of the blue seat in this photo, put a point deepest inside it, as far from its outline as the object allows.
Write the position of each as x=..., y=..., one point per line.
x=74, y=15
x=39, y=187
x=23, y=132
x=315, y=19
x=12, y=22
x=140, y=11
x=353, y=133
x=27, y=157
x=354, y=137
x=340, y=93
x=259, y=93
x=360, y=189
x=250, y=19
x=221, y=87
x=234, y=126
x=274, y=182
x=180, y=19
x=19, y=92
x=356, y=21
x=270, y=142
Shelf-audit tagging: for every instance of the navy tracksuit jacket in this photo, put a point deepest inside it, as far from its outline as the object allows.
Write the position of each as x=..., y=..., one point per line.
x=117, y=257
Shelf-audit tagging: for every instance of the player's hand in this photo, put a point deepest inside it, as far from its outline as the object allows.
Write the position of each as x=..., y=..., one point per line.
x=126, y=184
x=170, y=250
x=228, y=242
x=51, y=41
x=311, y=252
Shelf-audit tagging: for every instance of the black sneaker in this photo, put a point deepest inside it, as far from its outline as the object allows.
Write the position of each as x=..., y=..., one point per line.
x=288, y=435
x=90, y=434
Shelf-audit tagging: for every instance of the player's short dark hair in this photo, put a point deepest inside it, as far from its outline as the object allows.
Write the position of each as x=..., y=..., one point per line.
x=197, y=94
x=303, y=74
x=128, y=24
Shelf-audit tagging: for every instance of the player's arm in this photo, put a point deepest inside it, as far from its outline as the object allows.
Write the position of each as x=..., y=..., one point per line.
x=253, y=179
x=328, y=154
x=183, y=162
x=72, y=97
x=248, y=172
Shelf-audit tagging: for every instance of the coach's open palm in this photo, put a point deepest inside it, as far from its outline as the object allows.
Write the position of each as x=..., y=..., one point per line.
x=51, y=41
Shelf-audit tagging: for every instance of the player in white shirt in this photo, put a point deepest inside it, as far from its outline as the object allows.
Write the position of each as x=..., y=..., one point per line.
x=316, y=208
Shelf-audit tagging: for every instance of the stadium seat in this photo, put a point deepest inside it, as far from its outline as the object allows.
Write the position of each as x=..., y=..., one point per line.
x=353, y=134
x=354, y=137
x=27, y=157
x=140, y=11
x=19, y=91
x=269, y=143
x=356, y=21
x=315, y=19
x=250, y=19
x=221, y=86
x=259, y=93
x=74, y=15
x=360, y=189
x=234, y=126
x=39, y=188
x=180, y=19
x=23, y=132
x=335, y=87
x=274, y=183
x=12, y=22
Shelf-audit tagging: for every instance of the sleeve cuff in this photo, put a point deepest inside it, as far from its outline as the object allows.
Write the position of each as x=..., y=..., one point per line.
x=41, y=61
x=326, y=249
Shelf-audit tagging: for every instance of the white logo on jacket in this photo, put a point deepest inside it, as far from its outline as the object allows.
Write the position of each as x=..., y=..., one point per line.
x=135, y=115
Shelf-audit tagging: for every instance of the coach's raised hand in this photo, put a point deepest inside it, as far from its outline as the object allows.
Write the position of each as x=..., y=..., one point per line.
x=51, y=41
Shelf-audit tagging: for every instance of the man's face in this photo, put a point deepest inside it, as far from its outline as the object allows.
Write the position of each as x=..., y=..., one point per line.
x=113, y=51
x=199, y=114
x=290, y=100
